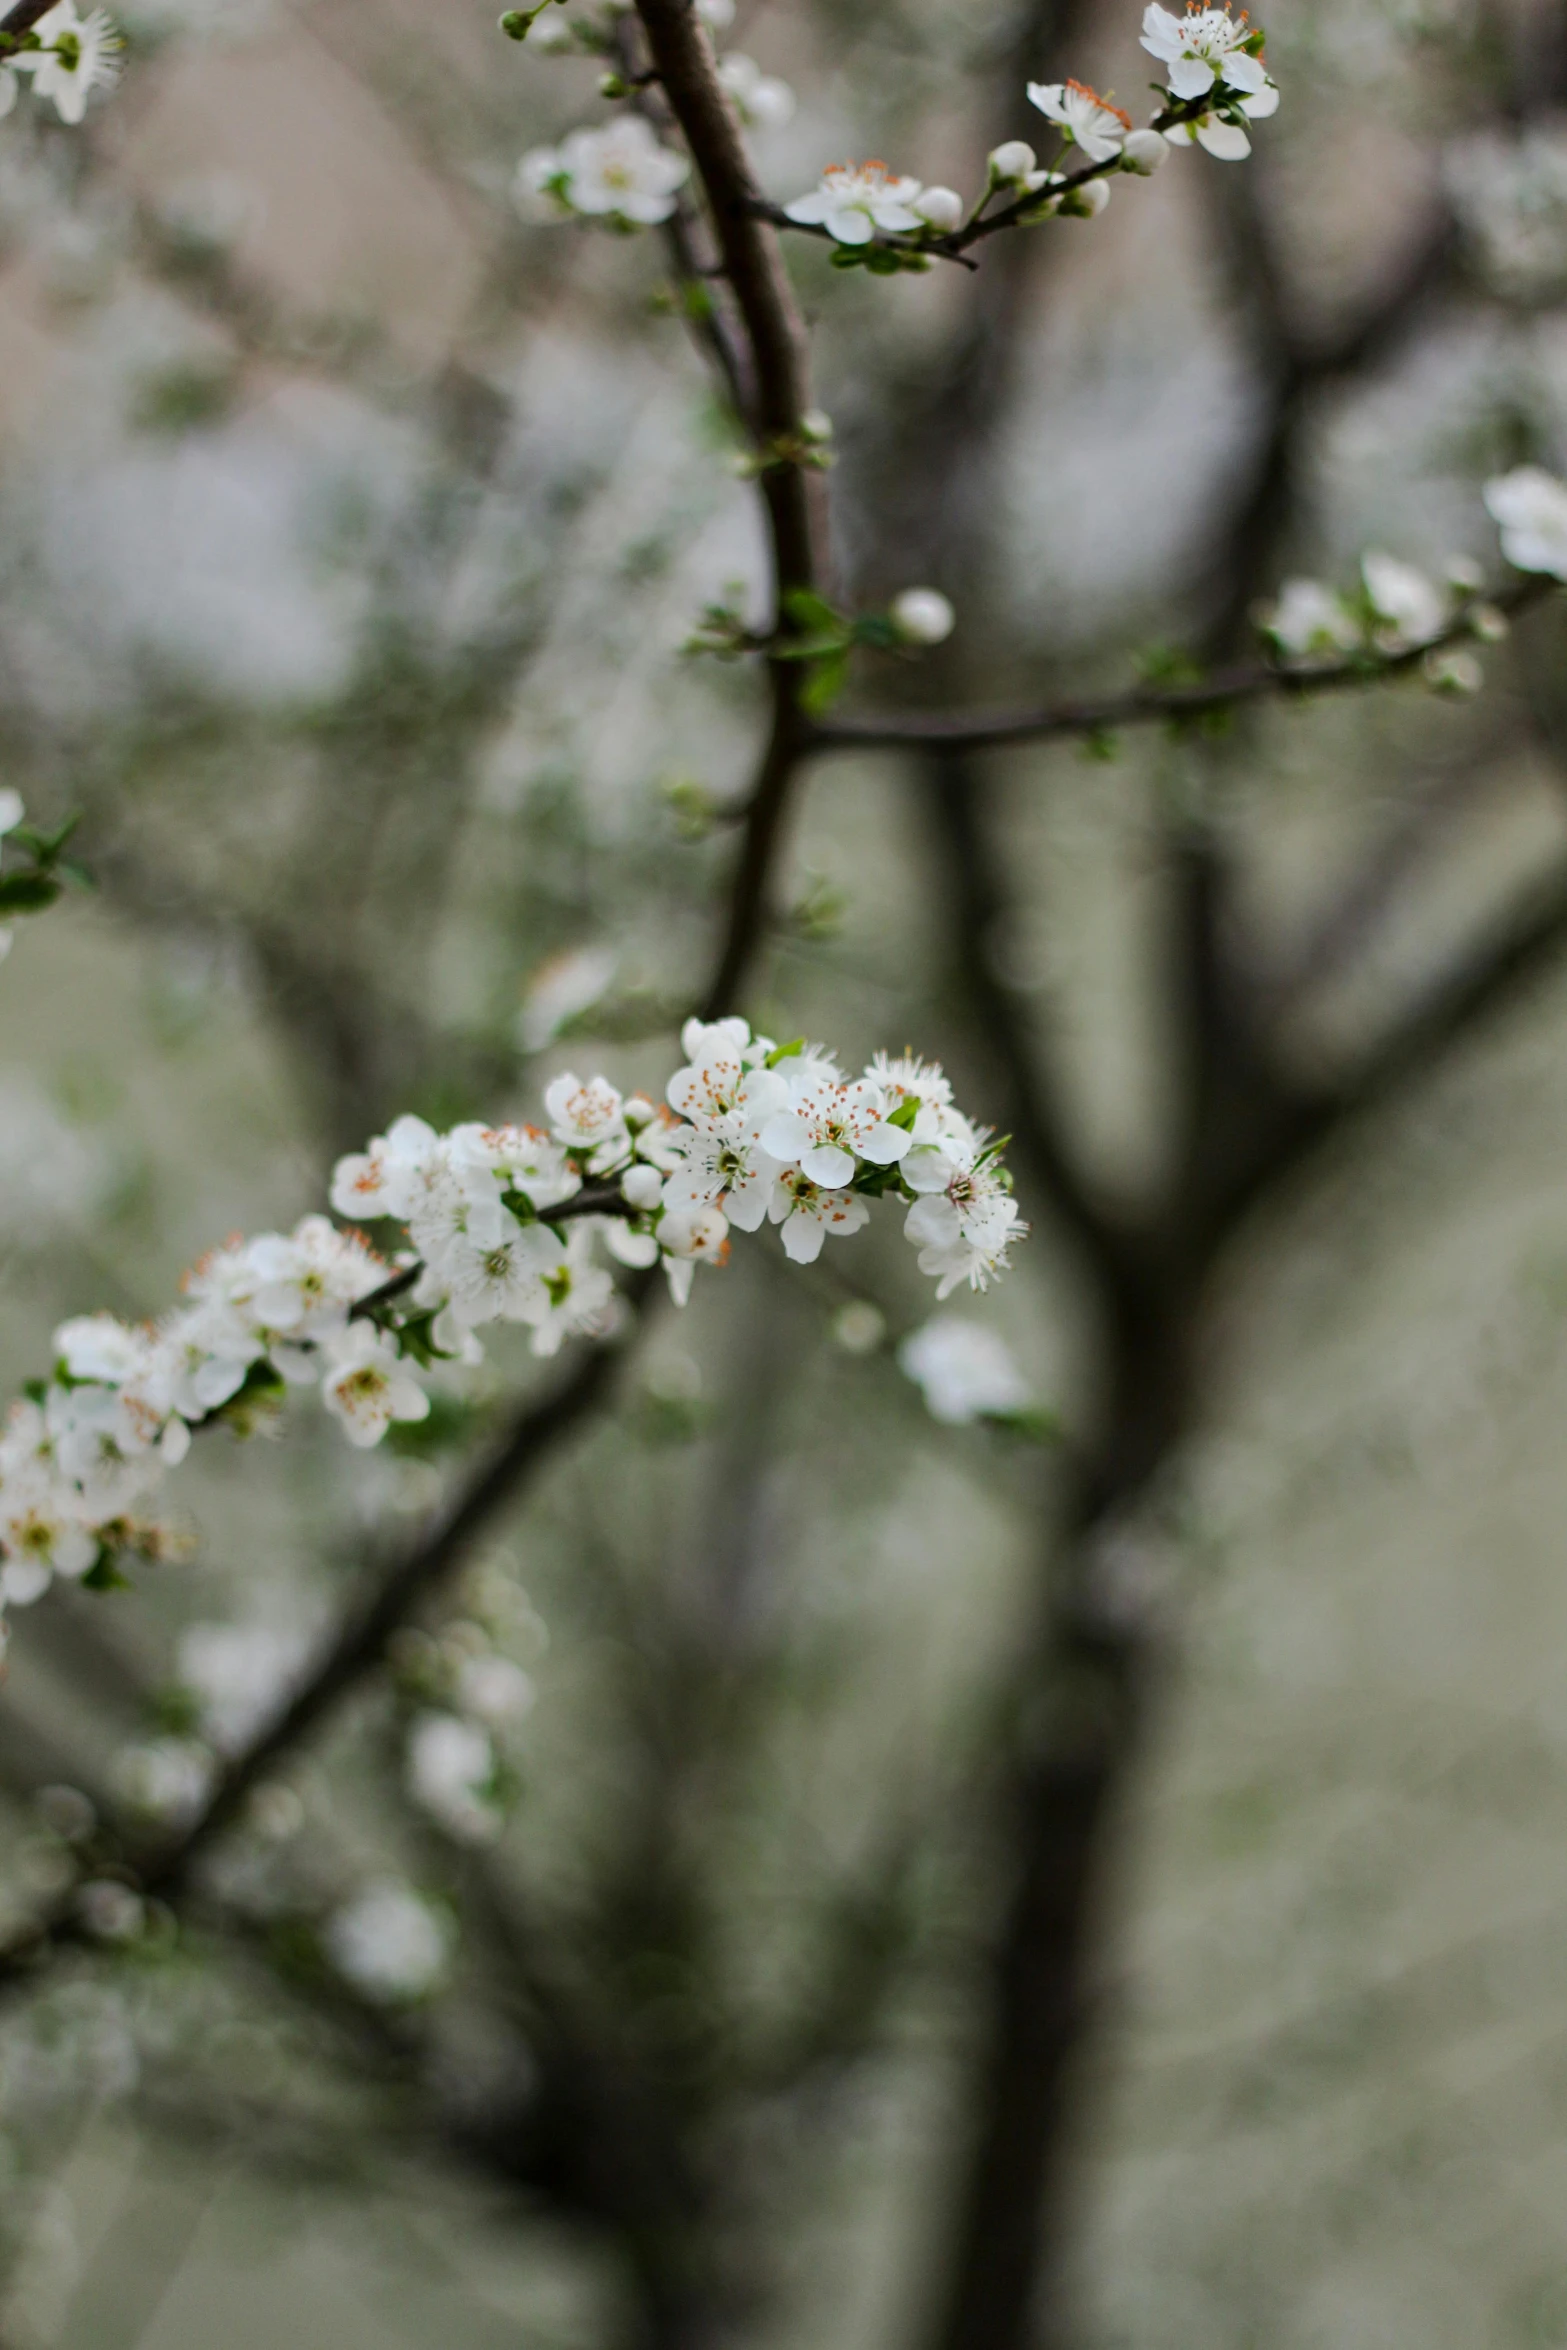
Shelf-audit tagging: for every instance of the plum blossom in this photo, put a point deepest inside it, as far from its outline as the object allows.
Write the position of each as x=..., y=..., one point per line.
x=576, y=1298
x=1530, y=505
x=389, y=1944
x=760, y=99
x=1219, y=133
x=831, y=1121
x=587, y=1116
x=966, y=1219
x=808, y=1211
x=450, y=1772
x=619, y=173
x=964, y=1369
x=240, y=1676
x=1203, y=49
x=1088, y=120
x=1310, y=619
x=367, y=1385
x=78, y=55
x=1410, y=607
x=499, y=1225
x=922, y=616
x=853, y=200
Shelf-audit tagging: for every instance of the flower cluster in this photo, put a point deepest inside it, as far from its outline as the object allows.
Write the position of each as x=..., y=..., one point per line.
x=1396, y=608
x=1208, y=53
x=67, y=57
x=482, y=1225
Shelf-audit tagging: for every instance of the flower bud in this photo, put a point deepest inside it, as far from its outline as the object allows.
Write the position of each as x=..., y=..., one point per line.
x=1488, y=624
x=514, y=24
x=940, y=208
x=638, y=1111
x=1454, y=673
x=1464, y=573
x=922, y=616
x=642, y=1187
x=1012, y=162
x=1086, y=202
x=1143, y=152
x=816, y=425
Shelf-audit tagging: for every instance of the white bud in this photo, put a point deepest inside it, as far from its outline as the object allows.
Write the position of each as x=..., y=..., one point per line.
x=941, y=208
x=1464, y=573
x=642, y=1187
x=1488, y=624
x=1012, y=161
x=1143, y=152
x=922, y=616
x=1086, y=202
x=1454, y=673
x=639, y=1111
x=816, y=425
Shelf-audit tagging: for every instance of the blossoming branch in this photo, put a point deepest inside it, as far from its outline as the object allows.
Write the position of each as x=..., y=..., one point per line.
x=483, y=1225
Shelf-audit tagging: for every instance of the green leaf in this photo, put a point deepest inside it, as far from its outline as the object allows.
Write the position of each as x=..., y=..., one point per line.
x=824, y=683
x=786, y=1052
x=104, y=1575
x=906, y=1113
x=873, y=1182
x=808, y=610
x=27, y=893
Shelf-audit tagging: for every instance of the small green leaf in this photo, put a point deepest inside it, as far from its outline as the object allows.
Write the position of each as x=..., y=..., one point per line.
x=786, y=1052
x=824, y=683
x=104, y=1575
x=27, y=893
x=906, y=1113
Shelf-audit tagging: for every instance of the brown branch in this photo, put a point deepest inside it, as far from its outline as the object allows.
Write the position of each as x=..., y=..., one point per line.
x=1228, y=690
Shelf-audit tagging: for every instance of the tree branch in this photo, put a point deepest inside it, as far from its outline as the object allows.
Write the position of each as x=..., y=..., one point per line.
x=1229, y=689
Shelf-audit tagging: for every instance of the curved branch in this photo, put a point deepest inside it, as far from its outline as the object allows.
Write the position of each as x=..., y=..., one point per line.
x=1254, y=682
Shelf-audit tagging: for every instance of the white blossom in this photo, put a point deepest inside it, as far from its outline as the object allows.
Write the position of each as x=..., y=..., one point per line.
x=1143, y=152
x=1311, y=619
x=922, y=616
x=618, y=173
x=1013, y=163
x=450, y=1770
x=389, y=1944
x=575, y=1297
x=1530, y=506
x=241, y=1676
x=760, y=99
x=689, y=1237
x=967, y=1219
x=853, y=200
x=1085, y=118
x=494, y=1690
x=1411, y=608
x=964, y=1370
x=808, y=1211
x=367, y=1385
x=1204, y=48
x=829, y=1123
x=166, y=1779
x=78, y=55
x=587, y=1116
x=941, y=209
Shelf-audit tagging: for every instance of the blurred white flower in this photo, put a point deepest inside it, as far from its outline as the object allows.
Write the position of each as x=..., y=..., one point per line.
x=389, y=1944
x=1510, y=193
x=110, y=1911
x=241, y=1676
x=493, y=1689
x=1310, y=618
x=761, y=100
x=617, y=173
x=1413, y=608
x=449, y=1771
x=922, y=616
x=963, y=1369
x=559, y=990
x=1530, y=506
x=167, y=1779
x=1143, y=152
